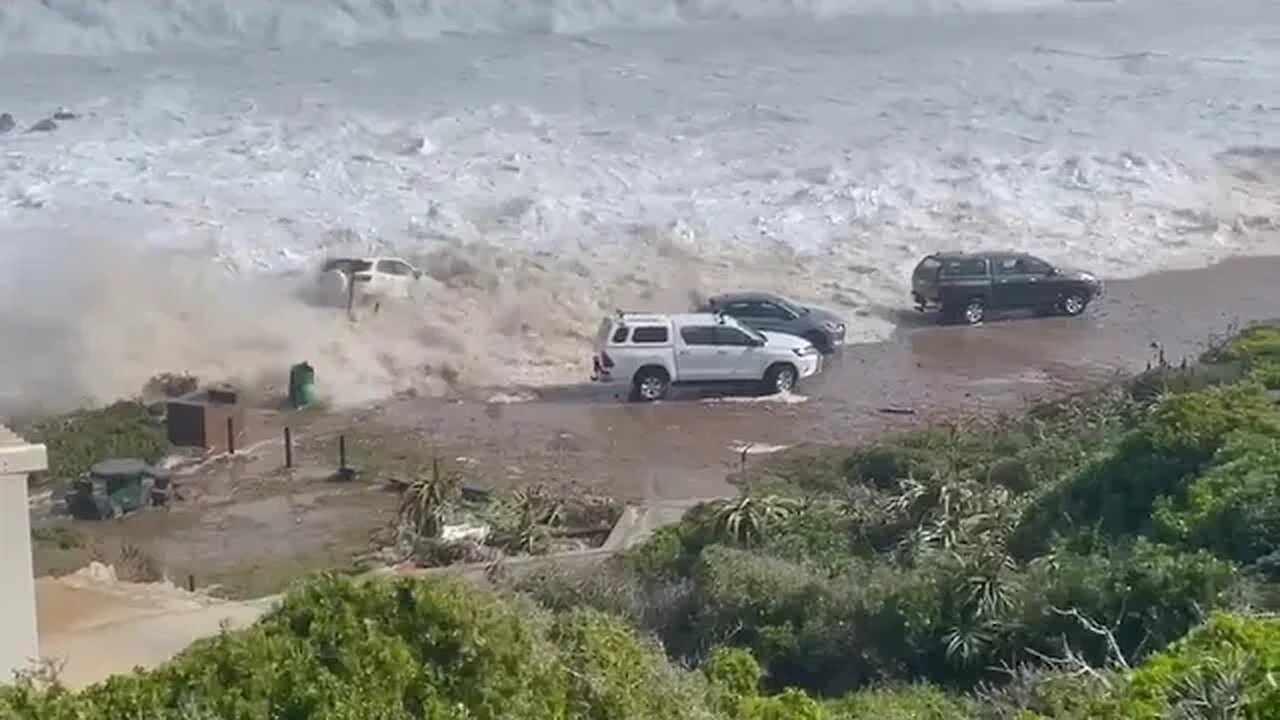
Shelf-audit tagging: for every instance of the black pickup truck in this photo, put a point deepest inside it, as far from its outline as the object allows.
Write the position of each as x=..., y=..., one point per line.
x=966, y=286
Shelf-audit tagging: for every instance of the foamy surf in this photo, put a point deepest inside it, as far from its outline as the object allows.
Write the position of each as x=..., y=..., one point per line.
x=774, y=399
x=675, y=149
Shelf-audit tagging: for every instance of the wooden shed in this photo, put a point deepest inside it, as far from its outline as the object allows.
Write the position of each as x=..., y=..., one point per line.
x=212, y=419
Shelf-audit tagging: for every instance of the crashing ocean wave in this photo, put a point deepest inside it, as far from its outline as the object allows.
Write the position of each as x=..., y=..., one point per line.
x=106, y=26
x=164, y=222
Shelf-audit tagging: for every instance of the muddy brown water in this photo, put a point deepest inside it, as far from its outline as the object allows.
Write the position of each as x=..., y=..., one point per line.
x=264, y=530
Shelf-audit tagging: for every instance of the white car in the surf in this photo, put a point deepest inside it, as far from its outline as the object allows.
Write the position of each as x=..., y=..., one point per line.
x=651, y=353
x=359, y=281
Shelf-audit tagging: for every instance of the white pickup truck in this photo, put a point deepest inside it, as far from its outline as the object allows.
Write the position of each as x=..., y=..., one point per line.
x=652, y=353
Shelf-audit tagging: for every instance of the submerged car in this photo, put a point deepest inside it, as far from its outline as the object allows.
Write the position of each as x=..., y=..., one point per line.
x=774, y=313
x=967, y=287
x=347, y=281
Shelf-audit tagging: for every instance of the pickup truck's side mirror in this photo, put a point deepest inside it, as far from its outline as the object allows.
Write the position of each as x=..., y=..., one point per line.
x=417, y=274
x=1052, y=271
x=755, y=342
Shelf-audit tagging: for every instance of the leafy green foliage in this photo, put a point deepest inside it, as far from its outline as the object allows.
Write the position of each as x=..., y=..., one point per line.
x=1233, y=509
x=1252, y=345
x=1225, y=669
x=427, y=500
x=525, y=521
x=1177, y=441
x=77, y=441
x=791, y=704
x=919, y=702
x=404, y=649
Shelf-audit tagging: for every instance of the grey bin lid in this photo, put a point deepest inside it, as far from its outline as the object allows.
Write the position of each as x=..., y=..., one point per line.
x=120, y=467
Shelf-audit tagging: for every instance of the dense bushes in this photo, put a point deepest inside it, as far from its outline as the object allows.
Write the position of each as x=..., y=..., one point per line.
x=1227, y=668
x=407, y=649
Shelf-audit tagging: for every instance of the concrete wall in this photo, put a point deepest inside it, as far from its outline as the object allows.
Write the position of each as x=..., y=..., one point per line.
x=18, y=644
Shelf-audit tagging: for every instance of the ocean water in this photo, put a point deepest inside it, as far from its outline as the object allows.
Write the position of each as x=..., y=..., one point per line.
x=550, y=160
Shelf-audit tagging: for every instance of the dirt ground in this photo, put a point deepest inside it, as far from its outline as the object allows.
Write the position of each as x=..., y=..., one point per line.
x=249, y=526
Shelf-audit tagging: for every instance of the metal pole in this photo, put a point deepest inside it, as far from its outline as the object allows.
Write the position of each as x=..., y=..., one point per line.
x=231, y=436
x=342, y=452
x=288, y=447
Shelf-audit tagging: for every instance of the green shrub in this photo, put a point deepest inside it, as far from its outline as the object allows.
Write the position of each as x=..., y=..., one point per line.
x=404, y=649
x=1234, y=509
x=615, y=676
x=79, y=440
x=1266, y=373
x=791, y=704
x=734, y=670
x=1146, y=595
x=919, y=702
x=1251, y=345
x=1226, y=668
x=1174, y=444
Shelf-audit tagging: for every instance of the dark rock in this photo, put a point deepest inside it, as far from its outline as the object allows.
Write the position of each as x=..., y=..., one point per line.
x=45, y=125
x=7, y=122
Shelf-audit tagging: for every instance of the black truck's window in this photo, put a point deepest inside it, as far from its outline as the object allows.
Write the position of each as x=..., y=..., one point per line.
x=964, y=268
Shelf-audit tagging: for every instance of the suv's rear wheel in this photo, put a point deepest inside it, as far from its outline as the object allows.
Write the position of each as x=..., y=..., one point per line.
x=650, y=384
x=1073, y=304
x=780, y=378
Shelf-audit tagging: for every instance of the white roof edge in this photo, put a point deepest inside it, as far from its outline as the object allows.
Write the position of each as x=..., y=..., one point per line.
x=19, y=457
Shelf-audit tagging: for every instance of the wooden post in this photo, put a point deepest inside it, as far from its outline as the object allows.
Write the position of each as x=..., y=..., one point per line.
x=231, y=436
x=288, y=447
x=191, y=583
x=342, y=452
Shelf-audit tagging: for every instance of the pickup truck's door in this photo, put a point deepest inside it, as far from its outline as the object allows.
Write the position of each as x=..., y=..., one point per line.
x=698, y=358
x=743, y=359
x=1020, y=282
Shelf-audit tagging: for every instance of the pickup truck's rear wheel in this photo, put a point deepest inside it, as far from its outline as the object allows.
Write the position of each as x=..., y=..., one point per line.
x=974, y=312
x=1073, y=304
x=780, y=378
x=650, y=384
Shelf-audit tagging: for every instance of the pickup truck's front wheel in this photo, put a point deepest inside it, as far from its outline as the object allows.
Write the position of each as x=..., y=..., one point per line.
x=650, y=384
x=780, y=378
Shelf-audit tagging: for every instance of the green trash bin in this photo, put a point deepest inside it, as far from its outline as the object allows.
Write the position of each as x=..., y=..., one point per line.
x=302, y=385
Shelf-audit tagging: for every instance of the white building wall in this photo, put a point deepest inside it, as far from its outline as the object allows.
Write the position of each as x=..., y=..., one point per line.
x=18, y=643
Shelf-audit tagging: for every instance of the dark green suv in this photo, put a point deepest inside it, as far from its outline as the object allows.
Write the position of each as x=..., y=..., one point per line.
x=968, y=286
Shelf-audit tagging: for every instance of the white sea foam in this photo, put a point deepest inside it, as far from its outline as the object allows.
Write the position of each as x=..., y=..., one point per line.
x=660, y=152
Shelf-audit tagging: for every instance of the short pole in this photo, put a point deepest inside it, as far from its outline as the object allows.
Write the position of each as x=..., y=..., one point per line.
x=342, y=452
x=191, y=583
x=288, y=447
x=231, y=436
